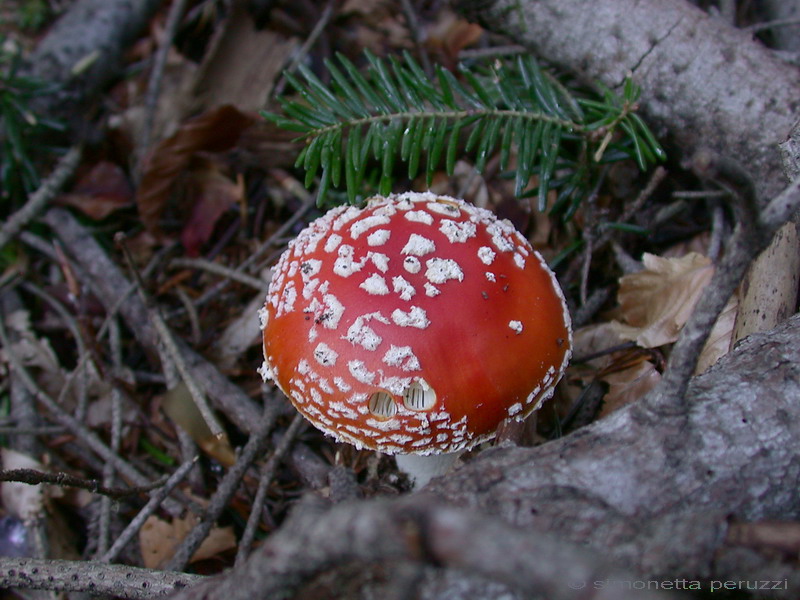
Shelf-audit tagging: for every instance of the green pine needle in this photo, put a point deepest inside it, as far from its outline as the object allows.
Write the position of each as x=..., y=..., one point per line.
x=23, y=133
x=394, y=110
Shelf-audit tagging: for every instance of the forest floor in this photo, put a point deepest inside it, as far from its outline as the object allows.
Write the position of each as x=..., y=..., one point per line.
x=130, y=291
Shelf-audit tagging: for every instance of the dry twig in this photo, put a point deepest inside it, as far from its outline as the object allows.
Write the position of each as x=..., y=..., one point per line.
x=264, y=479
x=34, y=477
x=226, y=488
x=39, y=199
x=155, y=501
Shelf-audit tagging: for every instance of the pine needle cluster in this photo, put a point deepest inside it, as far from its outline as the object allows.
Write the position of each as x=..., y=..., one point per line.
x=364, y=122
x=21, y=129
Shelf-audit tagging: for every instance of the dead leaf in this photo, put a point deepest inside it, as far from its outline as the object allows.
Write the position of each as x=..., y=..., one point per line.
x=595, y=339
x=654, y=304
x=266, y=146
x=450, y=35
x=101, y=191
x=766, y=537
x=214, y=131
x=172, y=108
x=628, y=385
x=628, y=372
x=768, y=294
x=158, y=540
x=180, y=407
x=372, y=24
x=720, y=339
x=242, y=63
x=210, y=194
x=37, y=354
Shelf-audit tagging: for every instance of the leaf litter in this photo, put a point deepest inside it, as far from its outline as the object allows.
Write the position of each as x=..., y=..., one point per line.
x=221, y=181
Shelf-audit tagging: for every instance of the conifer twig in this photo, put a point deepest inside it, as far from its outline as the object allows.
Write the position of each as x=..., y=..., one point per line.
x=396, y=110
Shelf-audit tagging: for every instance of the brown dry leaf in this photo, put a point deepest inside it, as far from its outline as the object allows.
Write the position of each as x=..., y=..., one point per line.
x=768, y=294
x=628, y=385
x=242, y=64
x=266, y=146
x=180, y=407
x=655, y=303
x=214, y=131
x=104, y=189
x=595, y=338
x=450, y=35
x=211, y=194
x=172, y=108
x=373, y=24
x=37, y=354
x=698, y=243
x=720, y=339
x=766, y=537
x=363, y=7
x=28, y=348
x=158, y=540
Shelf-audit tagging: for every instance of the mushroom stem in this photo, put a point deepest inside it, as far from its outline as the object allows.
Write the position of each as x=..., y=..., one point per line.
x=422, y=468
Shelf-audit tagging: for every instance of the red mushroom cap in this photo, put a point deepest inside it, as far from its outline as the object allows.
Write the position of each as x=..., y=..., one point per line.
x=414, y=325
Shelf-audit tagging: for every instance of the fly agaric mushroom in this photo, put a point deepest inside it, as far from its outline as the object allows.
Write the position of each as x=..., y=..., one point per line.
x=414, y=326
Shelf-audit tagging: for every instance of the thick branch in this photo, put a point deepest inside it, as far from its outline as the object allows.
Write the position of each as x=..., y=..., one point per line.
x=84, y=50
x=421, y=531
x=68, y=576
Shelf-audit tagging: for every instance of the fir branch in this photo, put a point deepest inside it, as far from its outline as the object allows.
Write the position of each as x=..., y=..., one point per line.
x=365, y=121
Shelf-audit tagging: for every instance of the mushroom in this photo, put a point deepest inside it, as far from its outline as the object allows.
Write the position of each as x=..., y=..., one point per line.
x=414, y=326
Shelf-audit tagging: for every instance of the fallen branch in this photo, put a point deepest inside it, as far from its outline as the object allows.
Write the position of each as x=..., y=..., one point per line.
x=131, y=583
x=732, y=453
x=83, y=51
x=420, y=531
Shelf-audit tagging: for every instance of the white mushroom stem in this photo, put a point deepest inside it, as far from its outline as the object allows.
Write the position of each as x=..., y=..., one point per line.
x=422, y=468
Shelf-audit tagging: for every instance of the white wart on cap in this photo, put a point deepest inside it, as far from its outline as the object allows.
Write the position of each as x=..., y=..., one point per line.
x=414, y=325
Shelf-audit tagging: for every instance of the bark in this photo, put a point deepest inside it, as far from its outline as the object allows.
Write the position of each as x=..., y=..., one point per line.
x=83, y=51
x=411, y=530
x=706, y=83
x=131, y=583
